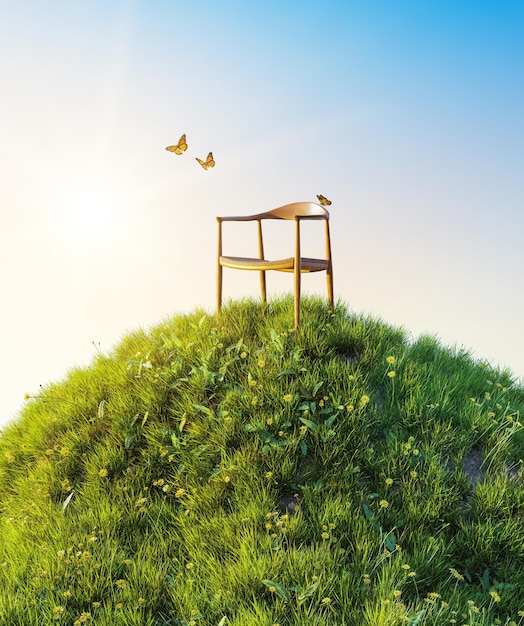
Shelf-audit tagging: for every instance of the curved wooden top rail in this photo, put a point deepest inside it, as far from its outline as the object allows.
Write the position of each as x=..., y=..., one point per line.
x=295, y=210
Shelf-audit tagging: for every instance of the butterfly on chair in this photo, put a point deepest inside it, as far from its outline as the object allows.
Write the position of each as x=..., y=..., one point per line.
x=323, y=201
x=180, y=147
x=209, y=162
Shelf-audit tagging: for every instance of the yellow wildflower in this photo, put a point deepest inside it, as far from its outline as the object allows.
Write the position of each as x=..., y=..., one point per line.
x=288, y=397
x=456, y=574
x=384, y=504
x=363, y=400
x=102, y=473
x=390, y=359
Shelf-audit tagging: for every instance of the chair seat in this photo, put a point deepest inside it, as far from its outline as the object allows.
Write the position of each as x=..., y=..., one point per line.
x=282, y=265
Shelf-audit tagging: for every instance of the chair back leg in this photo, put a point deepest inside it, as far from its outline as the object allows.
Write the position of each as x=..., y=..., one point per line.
x=329, y=279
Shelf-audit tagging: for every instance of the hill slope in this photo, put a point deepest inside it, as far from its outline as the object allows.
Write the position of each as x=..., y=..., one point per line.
x=229, y=471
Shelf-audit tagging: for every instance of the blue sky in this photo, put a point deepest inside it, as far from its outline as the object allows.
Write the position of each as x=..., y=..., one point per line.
x=407, y=115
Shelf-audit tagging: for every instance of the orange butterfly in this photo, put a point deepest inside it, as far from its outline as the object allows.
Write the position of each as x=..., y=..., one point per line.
x=180, y=147
x=323, y=201
x=209, y=162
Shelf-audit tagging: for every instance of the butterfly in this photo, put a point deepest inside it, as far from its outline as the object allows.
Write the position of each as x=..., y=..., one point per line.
x=209, y=162
x=180, y=147
x=323, y=201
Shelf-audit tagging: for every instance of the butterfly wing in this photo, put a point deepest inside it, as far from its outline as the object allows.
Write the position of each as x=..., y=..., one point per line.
x=323, y=201
x=209, y=162
x=180, y=147
x=202, y=163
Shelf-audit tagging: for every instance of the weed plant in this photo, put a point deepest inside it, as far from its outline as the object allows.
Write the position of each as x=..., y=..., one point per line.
x=227, y=470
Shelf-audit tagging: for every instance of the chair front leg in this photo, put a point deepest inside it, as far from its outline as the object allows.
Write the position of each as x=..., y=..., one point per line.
x=297, y=273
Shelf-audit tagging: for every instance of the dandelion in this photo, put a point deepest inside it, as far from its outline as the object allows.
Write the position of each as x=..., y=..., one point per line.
x=96, y=605
x=269, y=474
x=252, y=383
x=128, y=562
x=261, y=363
x=189, y=565
x=325, y=535
x=397, y=593
x=140, y=502
x=243, y=355
x=269, y=421
x=288, y=397
x=254, y=401
x=179, y=493
x=272, y=589
x=415, y=451
x=326, y=601
x=351, y=377
x=384, y=504
x=413, y=474
x=494, y=595
x=227, y=478
x=406, y=566
x=220, y=346
x=389, y=481
x=363, y=401
x=391, y=374
x=102, y=473
x=390, y=360
x=412, y=574
x=121, y=583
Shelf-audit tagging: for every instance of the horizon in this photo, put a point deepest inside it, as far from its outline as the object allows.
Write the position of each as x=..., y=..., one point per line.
x=407, y=118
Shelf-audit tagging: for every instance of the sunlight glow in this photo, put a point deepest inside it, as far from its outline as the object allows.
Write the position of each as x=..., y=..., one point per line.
x=90, y=219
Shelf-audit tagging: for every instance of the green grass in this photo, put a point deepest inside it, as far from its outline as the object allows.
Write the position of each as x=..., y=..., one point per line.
x=229, y=471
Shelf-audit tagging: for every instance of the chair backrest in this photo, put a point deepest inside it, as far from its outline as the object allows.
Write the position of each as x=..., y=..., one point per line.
x=290, y=211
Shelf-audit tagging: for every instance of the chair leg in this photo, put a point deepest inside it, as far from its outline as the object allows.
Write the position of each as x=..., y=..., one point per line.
x=297, y=298
x=329, y=278
x=263, y=285
x=219, y=287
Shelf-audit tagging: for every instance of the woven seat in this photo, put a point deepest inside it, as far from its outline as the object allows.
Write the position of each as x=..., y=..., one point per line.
x=298, y=211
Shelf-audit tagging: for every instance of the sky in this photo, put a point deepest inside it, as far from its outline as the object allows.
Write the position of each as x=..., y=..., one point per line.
x=407, y=115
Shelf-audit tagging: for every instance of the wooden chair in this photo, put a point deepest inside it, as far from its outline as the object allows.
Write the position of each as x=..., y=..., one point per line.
x=298, y=211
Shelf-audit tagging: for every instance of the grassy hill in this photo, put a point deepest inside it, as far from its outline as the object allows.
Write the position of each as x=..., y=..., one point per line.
x=229, y=471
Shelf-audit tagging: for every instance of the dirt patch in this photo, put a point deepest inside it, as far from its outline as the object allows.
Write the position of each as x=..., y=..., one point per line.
x=473, y=465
